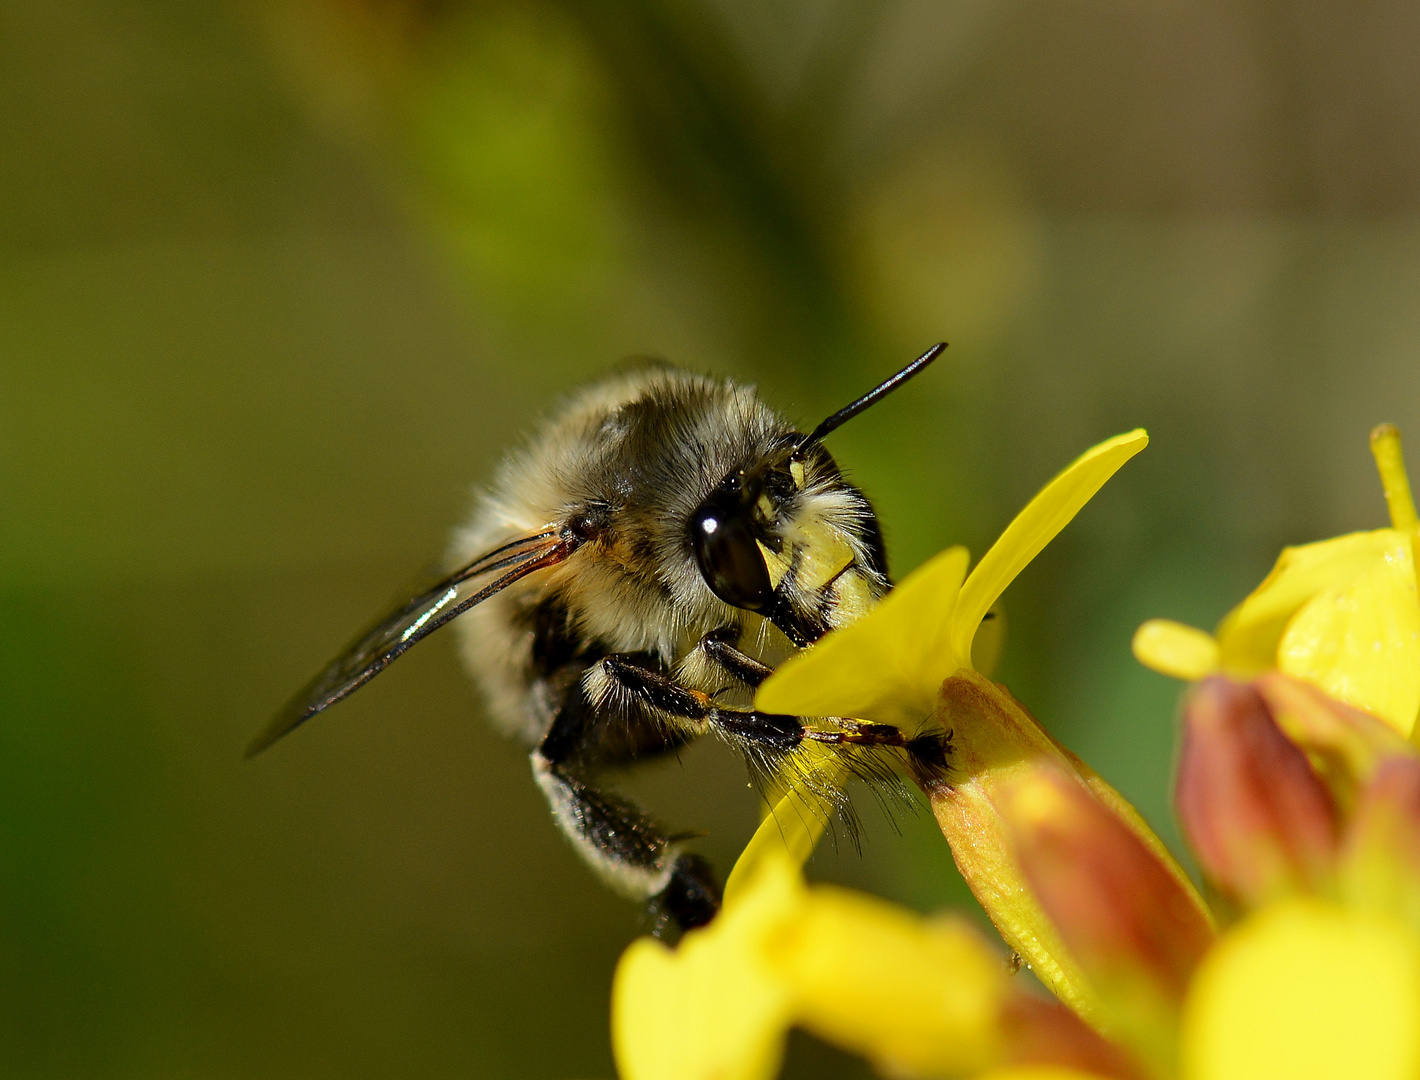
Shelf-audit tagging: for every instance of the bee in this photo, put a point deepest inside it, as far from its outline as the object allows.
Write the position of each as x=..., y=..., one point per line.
x=637, y=570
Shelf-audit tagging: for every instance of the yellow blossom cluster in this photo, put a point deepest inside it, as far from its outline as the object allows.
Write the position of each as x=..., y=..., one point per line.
x=1341, y=613
x=1298, y=791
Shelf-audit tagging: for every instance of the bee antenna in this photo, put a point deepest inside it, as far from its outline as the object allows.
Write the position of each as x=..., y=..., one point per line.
x=872, y=397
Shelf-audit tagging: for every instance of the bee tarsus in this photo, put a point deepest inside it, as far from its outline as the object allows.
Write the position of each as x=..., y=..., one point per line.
x=690, y=899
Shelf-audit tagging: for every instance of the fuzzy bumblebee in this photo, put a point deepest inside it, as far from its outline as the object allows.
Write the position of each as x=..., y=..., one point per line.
x=636, y=571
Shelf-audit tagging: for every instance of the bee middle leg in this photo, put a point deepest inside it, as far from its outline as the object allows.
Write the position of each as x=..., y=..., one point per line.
x=766, y=738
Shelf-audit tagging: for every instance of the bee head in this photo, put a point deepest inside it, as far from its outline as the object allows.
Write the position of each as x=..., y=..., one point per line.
x=789, y=538
x=786, y=536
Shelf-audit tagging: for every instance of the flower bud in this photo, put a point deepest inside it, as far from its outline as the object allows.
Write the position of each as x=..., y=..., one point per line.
x=1127, y=920
x=1344, y=745
x=1255, y=814
x=996, y=743
x=1044, y=1039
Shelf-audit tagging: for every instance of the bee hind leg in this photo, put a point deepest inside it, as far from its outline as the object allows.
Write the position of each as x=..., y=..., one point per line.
x=629, y=850
x=626, y=848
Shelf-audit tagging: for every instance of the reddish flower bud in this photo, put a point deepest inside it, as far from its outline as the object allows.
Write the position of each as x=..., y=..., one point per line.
x=1344, y=745
x=1254, y=812
x=1131, y=925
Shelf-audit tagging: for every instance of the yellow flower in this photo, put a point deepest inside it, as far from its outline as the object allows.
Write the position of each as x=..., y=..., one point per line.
x=1303, y=988
x=1306, y=990
x=1343, y=614
x=920, y=997
x=909, y=661
x=1326, y=985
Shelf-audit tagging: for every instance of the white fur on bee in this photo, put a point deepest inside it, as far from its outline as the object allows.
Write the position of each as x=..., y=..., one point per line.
x=607, y=693
x=633, y=881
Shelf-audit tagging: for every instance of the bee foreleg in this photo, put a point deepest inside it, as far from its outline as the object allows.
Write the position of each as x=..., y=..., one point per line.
x=717, y=646
x=622, y=676
x=661, y=694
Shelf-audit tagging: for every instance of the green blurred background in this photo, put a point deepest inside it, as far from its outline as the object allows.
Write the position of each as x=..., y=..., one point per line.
x=280, y=280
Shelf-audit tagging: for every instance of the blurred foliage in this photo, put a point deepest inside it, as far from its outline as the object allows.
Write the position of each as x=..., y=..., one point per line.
x=280, y=280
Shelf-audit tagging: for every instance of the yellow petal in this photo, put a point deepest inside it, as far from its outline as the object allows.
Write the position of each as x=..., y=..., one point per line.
x=794, y=826
x=1034, y=527
x=1248, y=637
x=713, y=1009
x=888, y=665
x=1306, y=991
x=916, y=996
x=885, y=667
x=1171, y=648
x=990, y=640
x=1359, y=639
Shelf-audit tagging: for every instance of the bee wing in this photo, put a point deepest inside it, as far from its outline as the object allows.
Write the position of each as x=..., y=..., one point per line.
x=372, y=651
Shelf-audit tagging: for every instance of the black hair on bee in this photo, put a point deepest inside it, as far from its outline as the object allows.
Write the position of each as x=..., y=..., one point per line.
x=638, y=568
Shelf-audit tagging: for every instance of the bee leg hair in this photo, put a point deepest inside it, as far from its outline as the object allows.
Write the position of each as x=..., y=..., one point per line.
x=629, y=850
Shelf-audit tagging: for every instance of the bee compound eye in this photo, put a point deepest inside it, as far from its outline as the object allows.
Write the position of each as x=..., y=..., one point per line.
x=730, y=561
